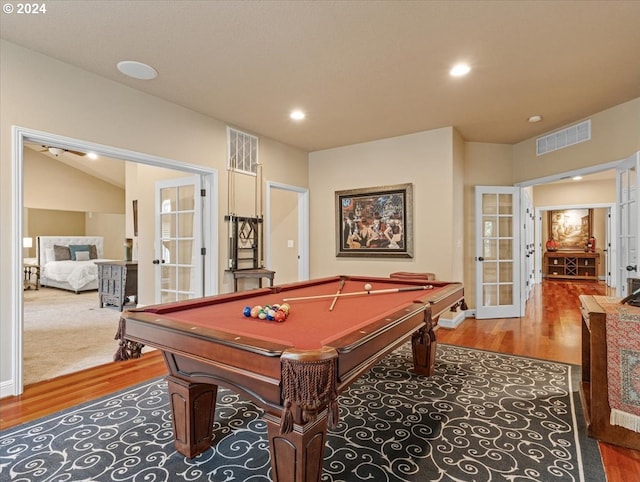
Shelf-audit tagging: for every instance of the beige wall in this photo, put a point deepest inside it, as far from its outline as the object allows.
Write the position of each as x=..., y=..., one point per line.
x=284, y=227
x=53, y=222
x=424, y=159
x=41, y=93
x=484, y=165
x=50, y=184
x=458, y=206
x=575, y=193
x=111, y=228
x=615, y=135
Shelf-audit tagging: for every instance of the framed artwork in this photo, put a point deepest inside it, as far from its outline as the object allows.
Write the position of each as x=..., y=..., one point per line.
x=571, y=228
x=135, y=217
x=375, y=222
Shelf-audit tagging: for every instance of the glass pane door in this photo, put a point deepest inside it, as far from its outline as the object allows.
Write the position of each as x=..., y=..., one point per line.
x=627, y=225
x=497, y=246
x=179, y=240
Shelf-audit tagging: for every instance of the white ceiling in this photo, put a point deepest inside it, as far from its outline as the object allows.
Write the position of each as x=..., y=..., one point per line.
x=361, y=70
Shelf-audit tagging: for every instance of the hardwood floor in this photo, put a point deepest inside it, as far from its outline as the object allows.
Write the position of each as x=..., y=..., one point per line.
x=549, y=330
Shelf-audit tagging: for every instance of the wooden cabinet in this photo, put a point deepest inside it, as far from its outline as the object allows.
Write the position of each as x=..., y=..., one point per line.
x=571, y=265
x=117, y=281
x=594, y=391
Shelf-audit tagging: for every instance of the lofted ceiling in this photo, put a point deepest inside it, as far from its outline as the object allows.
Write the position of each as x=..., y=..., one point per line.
x=360, y=70
x=104, y=168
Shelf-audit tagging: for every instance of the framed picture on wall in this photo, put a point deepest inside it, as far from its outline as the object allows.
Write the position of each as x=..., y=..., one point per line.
x=571, y=228
x=375, y=222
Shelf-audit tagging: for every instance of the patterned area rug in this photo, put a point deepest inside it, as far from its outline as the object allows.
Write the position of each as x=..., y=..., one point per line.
x=483, y=416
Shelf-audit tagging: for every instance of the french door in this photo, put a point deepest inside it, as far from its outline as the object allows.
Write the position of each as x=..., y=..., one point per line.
x=627, y=224
x=179, y=240
x=497, y=252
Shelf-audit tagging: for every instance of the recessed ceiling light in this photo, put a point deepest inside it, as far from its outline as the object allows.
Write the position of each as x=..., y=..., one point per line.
x=92, y=155
x=297, y=114
x=137, y=70
x=535, y=118
x=576, y=178
x=459, y=70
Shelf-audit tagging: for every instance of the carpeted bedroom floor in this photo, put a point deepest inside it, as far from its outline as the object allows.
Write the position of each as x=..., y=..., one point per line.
x=65, y=332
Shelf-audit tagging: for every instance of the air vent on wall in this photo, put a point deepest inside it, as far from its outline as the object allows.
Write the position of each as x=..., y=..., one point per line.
x=564, y=138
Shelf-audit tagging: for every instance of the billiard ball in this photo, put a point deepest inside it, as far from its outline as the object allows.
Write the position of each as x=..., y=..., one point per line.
x=247, y=311
x=255, y=311
x=367, y=287
x=280, y=316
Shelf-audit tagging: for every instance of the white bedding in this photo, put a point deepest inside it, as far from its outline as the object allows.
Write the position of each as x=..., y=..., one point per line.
x=69, y=275
x=77, y=274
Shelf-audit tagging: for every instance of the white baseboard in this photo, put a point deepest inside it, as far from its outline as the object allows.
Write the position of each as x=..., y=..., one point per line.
x=7, y=389
x=451, y=319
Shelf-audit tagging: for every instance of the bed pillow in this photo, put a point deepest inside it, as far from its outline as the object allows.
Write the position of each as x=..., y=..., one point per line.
x=61, y=253
x=82, y=256
x=75, y=248
x=93, y=251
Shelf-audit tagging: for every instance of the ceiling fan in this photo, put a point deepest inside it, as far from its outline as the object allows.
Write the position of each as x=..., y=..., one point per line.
x=58, y=151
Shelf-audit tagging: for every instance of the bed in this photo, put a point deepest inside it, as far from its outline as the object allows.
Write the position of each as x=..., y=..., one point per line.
x=68, y=262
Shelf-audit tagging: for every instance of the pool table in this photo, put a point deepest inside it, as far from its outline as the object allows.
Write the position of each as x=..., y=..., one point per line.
x=294, y=370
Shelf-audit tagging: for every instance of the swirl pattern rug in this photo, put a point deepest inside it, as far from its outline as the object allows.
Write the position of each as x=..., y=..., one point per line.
x=483, y=416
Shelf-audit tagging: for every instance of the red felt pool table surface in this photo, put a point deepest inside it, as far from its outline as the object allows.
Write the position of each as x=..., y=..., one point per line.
x=310, y=324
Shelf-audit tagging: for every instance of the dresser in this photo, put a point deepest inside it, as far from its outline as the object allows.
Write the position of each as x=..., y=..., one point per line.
x=117, y=281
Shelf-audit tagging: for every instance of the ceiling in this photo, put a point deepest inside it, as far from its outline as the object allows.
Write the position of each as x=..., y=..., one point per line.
x=360, y=70
x=104, y=168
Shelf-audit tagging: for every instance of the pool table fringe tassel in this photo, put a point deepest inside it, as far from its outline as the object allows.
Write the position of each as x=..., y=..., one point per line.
x=126, y=349
x=308, y=384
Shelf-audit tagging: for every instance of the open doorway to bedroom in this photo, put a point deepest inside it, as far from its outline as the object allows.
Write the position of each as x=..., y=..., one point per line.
x=73, y=325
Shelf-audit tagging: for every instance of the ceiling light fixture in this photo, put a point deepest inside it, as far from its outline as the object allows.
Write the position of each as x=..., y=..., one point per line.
x=137, y=70
x=576, y=178
x=92, y=155
x=297, y=114
x=535, y=118
x=459, y=70
x=56, y=151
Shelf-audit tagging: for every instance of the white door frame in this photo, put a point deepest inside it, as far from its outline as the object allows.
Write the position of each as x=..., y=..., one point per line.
x=500, y=310
x=626, y=200
x=540, y=218
x=527, y=240
x=303, y=226
x=197, y=285
x=20, y=135
x=610, y=248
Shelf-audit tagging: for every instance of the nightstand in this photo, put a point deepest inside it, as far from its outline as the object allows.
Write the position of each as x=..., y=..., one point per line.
x=31, y=276
x=117, y=281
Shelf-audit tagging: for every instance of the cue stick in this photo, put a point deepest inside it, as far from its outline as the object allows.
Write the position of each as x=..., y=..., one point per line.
x=333, y=303
x=373, y=292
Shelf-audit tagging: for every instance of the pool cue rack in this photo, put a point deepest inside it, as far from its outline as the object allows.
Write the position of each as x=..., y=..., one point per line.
x=244, y=242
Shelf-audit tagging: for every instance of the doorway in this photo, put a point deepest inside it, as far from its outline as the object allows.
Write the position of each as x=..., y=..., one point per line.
x=603, y=225
x=287, y=232
x=22, y=135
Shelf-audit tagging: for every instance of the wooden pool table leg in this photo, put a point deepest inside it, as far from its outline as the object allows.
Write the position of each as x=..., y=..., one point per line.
x=424, y=344
x=298, y=455
x=193, y=406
